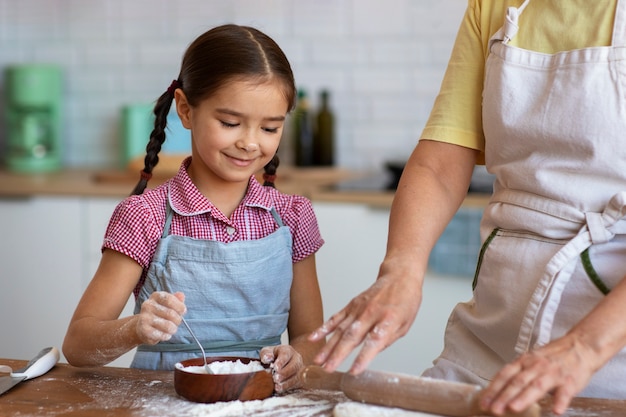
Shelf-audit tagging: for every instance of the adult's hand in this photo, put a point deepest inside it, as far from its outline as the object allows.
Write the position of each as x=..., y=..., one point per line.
x=375, y=318
x=563, y=367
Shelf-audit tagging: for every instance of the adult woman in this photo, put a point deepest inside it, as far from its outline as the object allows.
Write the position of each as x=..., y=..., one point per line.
x=545, y=112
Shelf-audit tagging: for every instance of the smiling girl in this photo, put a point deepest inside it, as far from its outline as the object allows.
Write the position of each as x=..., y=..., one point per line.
x=237, y=258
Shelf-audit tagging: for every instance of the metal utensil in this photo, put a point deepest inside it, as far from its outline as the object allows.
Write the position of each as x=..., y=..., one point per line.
x=206, y=364
x=39, y=365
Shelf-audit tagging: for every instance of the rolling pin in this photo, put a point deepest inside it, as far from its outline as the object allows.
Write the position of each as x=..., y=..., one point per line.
x=415, y=393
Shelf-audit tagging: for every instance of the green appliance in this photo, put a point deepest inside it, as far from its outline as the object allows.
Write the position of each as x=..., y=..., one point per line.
x=34, y=122
x=138, y=123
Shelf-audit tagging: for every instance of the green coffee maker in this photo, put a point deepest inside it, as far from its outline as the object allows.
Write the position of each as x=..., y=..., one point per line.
x=33, y=112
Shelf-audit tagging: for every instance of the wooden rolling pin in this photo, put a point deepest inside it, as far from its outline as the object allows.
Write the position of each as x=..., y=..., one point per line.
x=405, y=391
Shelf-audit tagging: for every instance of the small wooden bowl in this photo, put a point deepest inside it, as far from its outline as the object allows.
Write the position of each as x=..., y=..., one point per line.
x=211, y=388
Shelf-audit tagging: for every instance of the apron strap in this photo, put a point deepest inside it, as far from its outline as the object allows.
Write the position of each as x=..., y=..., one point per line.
x=277, y=218
x=619, y=26
x=169, y=213
x=598, y=228
x=510, y=27
x=212, y=347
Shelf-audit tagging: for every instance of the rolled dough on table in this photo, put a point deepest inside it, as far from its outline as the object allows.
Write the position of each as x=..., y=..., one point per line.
x=352, y=409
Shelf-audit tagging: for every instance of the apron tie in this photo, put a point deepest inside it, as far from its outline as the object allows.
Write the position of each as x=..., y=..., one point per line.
x=597, y=232
x=510, y=24
x=598, y=228
x=510, y=27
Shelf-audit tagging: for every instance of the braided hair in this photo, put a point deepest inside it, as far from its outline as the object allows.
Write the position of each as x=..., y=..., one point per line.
x=216, y=57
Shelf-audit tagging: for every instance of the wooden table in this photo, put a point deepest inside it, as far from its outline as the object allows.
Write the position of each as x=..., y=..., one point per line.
x=120, y=392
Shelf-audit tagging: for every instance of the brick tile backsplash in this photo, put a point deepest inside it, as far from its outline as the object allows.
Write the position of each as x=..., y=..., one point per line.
x=382, y=61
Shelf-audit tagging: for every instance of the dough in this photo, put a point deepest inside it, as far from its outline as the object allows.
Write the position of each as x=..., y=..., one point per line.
x=355, y=409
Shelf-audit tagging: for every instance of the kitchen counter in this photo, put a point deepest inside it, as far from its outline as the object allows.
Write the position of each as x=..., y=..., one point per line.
x=67, y=391
x=119, y=183
x=315, y=183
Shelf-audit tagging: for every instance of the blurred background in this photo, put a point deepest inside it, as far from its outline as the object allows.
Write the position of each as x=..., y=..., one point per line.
x=79, y=76
x=381, y=61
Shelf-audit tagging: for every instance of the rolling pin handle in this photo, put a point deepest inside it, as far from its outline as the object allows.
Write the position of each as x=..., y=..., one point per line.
x=532, y=411
x=315, y=377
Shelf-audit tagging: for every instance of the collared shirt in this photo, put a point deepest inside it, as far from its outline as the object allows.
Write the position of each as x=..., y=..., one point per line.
x=137, y=222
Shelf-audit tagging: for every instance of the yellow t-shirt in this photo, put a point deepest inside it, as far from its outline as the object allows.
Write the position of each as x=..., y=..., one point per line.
x=547, y=26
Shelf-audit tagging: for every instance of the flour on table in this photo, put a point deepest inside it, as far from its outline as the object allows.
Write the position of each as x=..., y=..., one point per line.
x=224, y=367
x=271, y=406
x=301, y=403
x=354, y=409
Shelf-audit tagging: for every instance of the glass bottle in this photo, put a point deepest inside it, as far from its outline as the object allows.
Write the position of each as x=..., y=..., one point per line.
x=324, y=138
x=302, y=131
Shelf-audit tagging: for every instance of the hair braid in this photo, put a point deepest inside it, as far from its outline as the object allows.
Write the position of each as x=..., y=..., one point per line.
x=157, y=137
x=270, y=172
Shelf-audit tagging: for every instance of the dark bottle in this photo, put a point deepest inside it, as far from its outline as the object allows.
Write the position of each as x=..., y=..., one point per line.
x=302, y=132
x=324, y=138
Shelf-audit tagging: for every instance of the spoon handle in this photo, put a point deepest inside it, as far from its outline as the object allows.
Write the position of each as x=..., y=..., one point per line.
x=206, y=365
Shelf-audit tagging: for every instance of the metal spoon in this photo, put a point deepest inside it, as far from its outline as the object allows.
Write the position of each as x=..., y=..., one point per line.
x=206, y=364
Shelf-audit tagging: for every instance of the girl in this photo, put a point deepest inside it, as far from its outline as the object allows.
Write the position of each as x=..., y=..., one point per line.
x=213, y=244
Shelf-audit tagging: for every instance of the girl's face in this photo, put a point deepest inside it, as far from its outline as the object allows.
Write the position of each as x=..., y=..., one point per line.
x=236, y=131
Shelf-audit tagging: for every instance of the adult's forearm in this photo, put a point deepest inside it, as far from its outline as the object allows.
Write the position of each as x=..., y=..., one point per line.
x=433, y=186
x=603, y=330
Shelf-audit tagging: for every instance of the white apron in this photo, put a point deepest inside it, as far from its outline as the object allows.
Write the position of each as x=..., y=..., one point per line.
x=554, y=232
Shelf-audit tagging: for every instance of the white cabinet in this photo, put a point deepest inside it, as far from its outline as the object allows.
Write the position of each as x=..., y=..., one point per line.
x=49, y=250
x=356, y=238
x=40, y=267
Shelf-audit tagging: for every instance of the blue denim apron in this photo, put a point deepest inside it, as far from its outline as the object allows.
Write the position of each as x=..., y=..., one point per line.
x=237, y=294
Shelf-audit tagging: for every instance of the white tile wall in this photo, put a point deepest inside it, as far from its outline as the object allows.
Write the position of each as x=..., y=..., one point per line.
x=382, y=61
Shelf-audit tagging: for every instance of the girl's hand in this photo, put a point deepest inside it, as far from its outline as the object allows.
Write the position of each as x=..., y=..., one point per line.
x=562, y=367
x=160, y=317
x=286, y=364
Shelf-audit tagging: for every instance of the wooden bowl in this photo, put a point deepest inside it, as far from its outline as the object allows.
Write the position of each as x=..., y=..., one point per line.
x=210, y=388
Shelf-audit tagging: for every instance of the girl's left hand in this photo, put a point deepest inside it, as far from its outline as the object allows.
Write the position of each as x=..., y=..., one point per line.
x=562, y=367
x=286, y=364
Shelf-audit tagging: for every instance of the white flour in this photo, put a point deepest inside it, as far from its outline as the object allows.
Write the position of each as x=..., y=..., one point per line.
x=352, y=409
x=311, y=403
x=224, y=367
x=270, y=406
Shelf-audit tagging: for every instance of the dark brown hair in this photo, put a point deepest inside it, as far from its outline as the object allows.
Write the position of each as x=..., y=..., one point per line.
x=223, y=54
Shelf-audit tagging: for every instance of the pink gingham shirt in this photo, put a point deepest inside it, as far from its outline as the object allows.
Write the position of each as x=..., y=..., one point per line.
x=137, y=222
